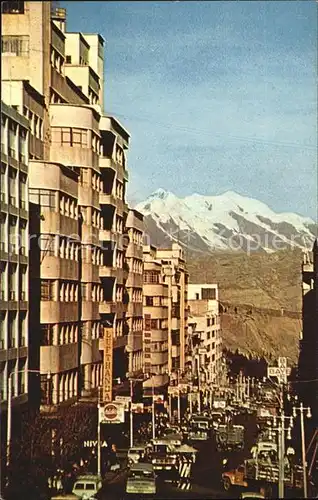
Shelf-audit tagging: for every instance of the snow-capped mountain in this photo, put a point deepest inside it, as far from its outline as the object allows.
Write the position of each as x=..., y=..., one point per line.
x=224, y=222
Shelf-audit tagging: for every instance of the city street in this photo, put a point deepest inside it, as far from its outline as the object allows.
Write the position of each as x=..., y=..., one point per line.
x=206, y=472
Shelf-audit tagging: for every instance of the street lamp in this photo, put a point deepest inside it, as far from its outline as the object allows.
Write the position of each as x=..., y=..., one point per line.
x=280, y=428
x=301, y=410
x=9, y=412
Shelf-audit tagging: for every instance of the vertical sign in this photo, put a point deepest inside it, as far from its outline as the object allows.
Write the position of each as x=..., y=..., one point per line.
x=108, y=365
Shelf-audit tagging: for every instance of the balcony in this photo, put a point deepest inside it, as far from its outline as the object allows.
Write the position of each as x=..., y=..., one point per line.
x=108, y=272
x=59, y=358
x=107, y=163
x=107, y=199
x=120, y=342
x=159, y=358
x=159, y=312
x=108, y=307
x=134, y=309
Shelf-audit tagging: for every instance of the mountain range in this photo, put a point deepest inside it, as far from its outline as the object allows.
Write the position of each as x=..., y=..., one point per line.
x=221, y=223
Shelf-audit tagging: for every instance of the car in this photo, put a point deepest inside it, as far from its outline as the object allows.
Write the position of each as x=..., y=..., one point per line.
x=87, y=486
x=136, y=454
x=141, y=480
x=251, y=494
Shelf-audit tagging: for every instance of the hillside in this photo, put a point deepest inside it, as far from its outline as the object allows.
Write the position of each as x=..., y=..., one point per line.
x=264, y=281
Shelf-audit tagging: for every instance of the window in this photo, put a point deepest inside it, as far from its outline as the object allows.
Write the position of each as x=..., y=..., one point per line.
x=3, y=329
x=68, y=60
x=10, y=7
x=47, y=289
x=47, y=332
x=22, y=329
x=17, y=45
x=43, y=197
x=74, y=136
x=3, y=232
x=12, y=186
x=149, y=301
x=22, y=190
x=12, y=329
x=23, y=282
x=208, y=293
x=151, y=277
x=84, y=291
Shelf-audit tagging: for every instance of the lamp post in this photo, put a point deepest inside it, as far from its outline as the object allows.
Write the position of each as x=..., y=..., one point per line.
x=301, y=410
x=99, y=449
x=153, y=417
x=131, y=418
x=9, y=412
x=280, y=428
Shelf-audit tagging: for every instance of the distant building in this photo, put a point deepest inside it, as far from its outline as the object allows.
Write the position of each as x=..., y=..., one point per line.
x=134, y=283
x=156, y=321
x=165, y=313
x=176, y=276
x=308, y=356
x=205, y=339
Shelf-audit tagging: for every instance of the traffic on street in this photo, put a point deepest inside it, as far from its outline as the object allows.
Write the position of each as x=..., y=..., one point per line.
x=238, y=444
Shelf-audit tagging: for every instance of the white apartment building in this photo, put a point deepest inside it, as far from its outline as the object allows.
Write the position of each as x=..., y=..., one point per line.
x=205, y=338
x=14, y=254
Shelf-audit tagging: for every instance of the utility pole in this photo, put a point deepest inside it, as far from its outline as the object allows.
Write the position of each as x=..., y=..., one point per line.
x=301, y=410
x=199, y=384
x=280, y=428
x=153, y=411
x=131, y=420
x=99, y=449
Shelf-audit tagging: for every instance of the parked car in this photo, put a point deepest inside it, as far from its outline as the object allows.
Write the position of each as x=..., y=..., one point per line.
x=87, y=486
x=251, y=494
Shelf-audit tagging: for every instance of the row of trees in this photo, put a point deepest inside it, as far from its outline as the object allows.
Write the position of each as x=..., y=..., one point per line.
x=43, y=444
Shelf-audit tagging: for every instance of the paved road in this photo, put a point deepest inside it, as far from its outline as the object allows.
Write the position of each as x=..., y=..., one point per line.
x=206, y=473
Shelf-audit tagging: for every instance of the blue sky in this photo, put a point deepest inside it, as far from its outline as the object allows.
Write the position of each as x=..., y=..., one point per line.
x=217, y=95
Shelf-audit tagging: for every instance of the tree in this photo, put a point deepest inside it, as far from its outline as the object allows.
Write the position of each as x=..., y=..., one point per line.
x=45, y=444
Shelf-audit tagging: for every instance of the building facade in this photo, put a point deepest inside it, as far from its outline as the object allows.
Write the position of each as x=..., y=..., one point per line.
x=308, y=355
x=205, y=337
x=14, y=255
x=56, y=80
x=134, y=284
x=176, y=276
x=114, y=271
x=156, y=306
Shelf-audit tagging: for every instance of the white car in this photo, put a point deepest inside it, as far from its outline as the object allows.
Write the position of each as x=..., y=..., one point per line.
x=87, y=486
x=141, y=480
x=136, y=454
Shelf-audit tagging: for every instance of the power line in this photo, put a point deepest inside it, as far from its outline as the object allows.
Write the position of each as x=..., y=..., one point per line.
x=212, y=133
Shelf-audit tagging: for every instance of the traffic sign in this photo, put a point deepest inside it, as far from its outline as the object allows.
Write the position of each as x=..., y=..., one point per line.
x=137, y=407
x=282, y=362
x=125, y=400
x=280, y=373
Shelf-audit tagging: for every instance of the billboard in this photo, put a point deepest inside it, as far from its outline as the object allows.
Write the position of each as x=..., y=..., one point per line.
x=112, y=413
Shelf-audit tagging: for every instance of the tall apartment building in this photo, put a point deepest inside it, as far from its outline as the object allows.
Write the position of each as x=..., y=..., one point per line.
x=308, y=356
x=176, y=276
x=156, y=306
x=205, y=339
x=14, y=255
x=114, y=271
x=55, y=79
x=134, y=284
